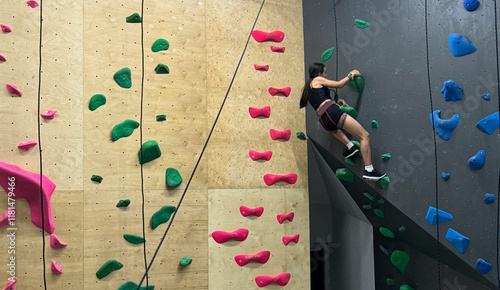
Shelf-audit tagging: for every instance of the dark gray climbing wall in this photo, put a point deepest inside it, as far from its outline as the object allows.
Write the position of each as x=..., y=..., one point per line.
x=392, y=57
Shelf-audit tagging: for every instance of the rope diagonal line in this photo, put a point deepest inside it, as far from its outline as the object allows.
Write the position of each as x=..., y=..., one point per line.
x=202, y=151
x=498, y=92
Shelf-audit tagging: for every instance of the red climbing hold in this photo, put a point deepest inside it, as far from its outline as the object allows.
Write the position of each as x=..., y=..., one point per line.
x=222, y=237
x=26, y=145
x=260, y=155
x=246, y=211
x=271, y=179
x=277, y=49
x=14, y=90
x=288, y=239
x=27, y=186
x=2, y=58
x=255, y=112
x=56, y=269
x=282, y=217
x=32, y=4
x=5, y=28
x=285, y=134
x=281, y=279
x=11, y=285
x=260, y=257
x=284, y=91
x=261, y=67
x=10, y=212
x=261, y=36
x=55, y=243
x=49, y=115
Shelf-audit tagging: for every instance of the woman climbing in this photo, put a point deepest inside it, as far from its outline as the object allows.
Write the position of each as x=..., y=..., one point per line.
x=316, y=91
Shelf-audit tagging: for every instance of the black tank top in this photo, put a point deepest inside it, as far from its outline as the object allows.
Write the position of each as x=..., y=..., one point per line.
x=318, y=96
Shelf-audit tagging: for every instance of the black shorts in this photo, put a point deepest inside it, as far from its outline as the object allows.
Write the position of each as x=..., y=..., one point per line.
x=333, y=118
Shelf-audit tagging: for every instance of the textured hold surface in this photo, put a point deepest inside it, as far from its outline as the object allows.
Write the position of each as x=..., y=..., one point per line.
x=162, y=216
x=277, y=49
x=185, y=261
x=133, y=286
x=344, y=174
x=357, y=84
x=149, y=152
x=483, y=266
x=26, y=145
x=11, y=285
x=451, y=91
x=432, y=216
x=384, y=250
x=369, y=196
x=367, y=206
x=261, y=258
x=256, y=112
x=456, y=239
x=8, y=216
x=133, y=239
x=389, y=282
x=107, y=268
x=162, y=69
x=49, y=115
x=123, y=203
x=13, y=90
x=476, y=162
x=134, y=18
x=55, y=243
x=96, y=178
x=261, y=36
x=246, y=211
x=161, y=118
x=160, y=44
x=261, y=67
x=378, y=212
x=361, y=24
x=32, y=4
x=56, y=269
x=301, y=135
x=400, y=259
x=96, y=101
x=486, y=96
x=173, y=177
x=386, y=156
x=374, y=124
x=445, y=176
x=459, y=45
x=254, y=155
x=471, y=5
x=386, y=232
x=123, y=78
x=271, y=179
x=327, y=54
x=443, y=128
x=384, y=181
x=489, y=124
x=282, y=91
x=287, y=239
x=2, y=58
x=489, y=198
x=406, y=287
x=5, y=28
x=285, y=134
x=349, y=111
x=237, y=235
x=282, y=217
x=281, y=280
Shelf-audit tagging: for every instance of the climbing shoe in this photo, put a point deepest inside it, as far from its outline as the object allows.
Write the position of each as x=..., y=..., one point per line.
x=374, y=175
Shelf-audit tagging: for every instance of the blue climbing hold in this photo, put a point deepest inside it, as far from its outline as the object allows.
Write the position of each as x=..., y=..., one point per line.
x=459, y=241
x=483, y=266
x=442, y=127
x=445, y=176
x=489, y=198
x=471, y=5
x=477, y=161
x=489, y=124
x=451, y=91
x=486, y=96
x=459, y=45
x=432, y=216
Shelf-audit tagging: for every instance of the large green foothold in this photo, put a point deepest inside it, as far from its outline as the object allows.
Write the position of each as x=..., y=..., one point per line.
x=379, y=212
x=361, y=24
x=134, y=18
x=369, y=196
x=349, y=111
x=123, y=78
x=386, y=232
x=149, y=152
x=160, y=44
x=400, y=260
x=173, y=177
x=385, y=181
x=389, y=282
x=374, y=124
x=124, y=129
x=301, y=135
x=107, y=268
x=162, y=216
x=133, y=239
x=96, y=101
x=185, y=261
x=349, y=161
x=386, y=156
x=402, y=229
x=384, y=250
x=133, y=286
x=405, y=287
x=344, y=174
x=161, y=118
x=327, y=54
x=357, y=84
x=367, y=206
x=162, y=69
x=96, y=178
x=123, y=203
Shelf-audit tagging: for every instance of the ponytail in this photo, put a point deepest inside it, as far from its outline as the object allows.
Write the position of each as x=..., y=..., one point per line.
x=315, y=70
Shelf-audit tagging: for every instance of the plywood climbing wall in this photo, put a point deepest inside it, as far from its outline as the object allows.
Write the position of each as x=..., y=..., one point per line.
x=83, y=43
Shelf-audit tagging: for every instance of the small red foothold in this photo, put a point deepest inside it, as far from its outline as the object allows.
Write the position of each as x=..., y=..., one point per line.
x=222, y=237
x=281, y=279
x=288, y=239
x=283, y=91
x=282, y=217
x=261, y=67
x=271, y=179
x=55, y=243
x=49, y=115
x=11, y=285
x=277, y=49
x=246, y=211
x=14, y=90
x=5, y=28
x=2, y=58
x=285, y=134
x=26, y=145
x=56, y=269
x=260, y=155
x=260, y=257
x=9, y=213
x=32, y=4
x=261, y=36
x=256, y=112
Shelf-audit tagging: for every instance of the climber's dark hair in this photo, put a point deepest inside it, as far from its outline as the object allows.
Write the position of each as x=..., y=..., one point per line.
x=315, y=70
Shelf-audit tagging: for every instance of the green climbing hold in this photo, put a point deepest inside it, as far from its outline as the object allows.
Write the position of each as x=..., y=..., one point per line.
x=162, y=216
x=327, y=54
x=369, y=196
x=162, y=69
x=301, y=135
x=344, y=174
x=374, y=124
x=356, y=143
x=357, y=84
x=402, y=229
x=96, y=178
x=124, y=129
x=161, y=118
x=134, y=18
x=107, y=268
x=381, y=201
x=349, y=161
x=160, y=44
x=361, y=24
x=386, y=156
x=173, y=177
x=379, y=212
x=384, y=250
x=185, y=261
x=349, y=111
x=405, y=287
x=133, y=286
x=367, y=206
x=385, y=181
x=123, y=203
x=96, y=101
x=400, y=260
x=149, y=152
x=133, y=239
x=389, y=282
x=123, y=78
x=386, y=232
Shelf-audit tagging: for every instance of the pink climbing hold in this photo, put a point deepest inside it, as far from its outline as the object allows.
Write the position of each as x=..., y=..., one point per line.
x=8, y=216
x=288, y=239
x=222, y=237
x=49, y=115
x=261, y=36
x=26, y=145
x=5, y=28
x=255, y=112
x=246, y=211
x=261, y=67
x=277, y=49
x=282, y=217
x=285, y=134
x=14, y=90
x=271, y=179
x=56, y=269
x=284, y=91
x=260, y=155
x=281, y=279
x=55, y=243
x=32, y=4
x=27, y=186
x=260, y=257
x=2, y=58
x=11, y=285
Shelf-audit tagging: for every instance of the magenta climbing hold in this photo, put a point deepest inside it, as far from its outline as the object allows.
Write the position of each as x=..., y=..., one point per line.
x=2, y=58
x=476, y=162
x=55, y=243
x=56, y=269
x=261, y=67
x=489, y=124
x=443, y=128
x=261, y=257
x=277, y=49
x=260, y=155
x=281, y=280
x=8, y=216
x=5, y=28
x=283, y=91
x=261, y=36
x=282, y=217
x=237, y=235
x=246, y=211
x=32, y=4
x=26, y=145
x=256, y=112
x=459, y=45
x=285, y=134
x=49, y=115
x=27, y=186
x=271, y=179
x=11, y=285
x=13, y=90
x=287, y=239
